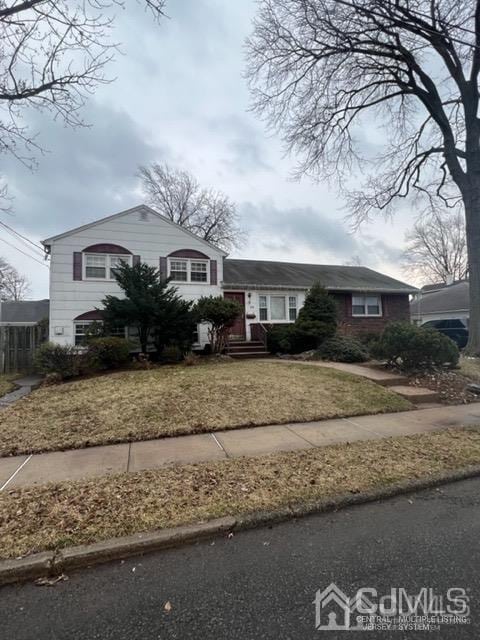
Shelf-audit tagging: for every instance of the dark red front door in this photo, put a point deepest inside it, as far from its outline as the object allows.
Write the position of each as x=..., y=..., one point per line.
x=237, y=331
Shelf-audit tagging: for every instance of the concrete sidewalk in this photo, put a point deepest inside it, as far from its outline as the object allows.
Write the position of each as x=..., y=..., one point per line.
x=20, y=471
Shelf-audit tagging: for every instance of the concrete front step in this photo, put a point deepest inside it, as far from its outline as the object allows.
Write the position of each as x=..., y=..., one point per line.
x=246, y=347
x=415, y=394
x=243, y=355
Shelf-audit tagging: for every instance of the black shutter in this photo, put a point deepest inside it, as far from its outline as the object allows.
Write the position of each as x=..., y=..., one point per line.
x=163, y=268
x=213, y=272
x=77, y=265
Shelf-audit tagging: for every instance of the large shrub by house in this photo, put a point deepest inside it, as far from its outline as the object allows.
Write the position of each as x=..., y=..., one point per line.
x=220, y=313
x=317, y=321
x=151, y=306
x=341, y=348
x=410, y=347
x=63, y=361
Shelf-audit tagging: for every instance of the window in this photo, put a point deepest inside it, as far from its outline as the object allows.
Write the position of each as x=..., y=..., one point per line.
x=115, y=262
x=178, y=270
x=198, y=271
x=82, y=331
x=262, y=305
x=274, y=308
x=187, y=270
x=277, y=308
x=100, y=266
x=366, y=306
x=95, y=266
x=292, y=308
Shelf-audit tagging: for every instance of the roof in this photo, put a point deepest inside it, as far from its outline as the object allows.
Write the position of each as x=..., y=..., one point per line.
x=454, y=297
x=262, y=273
x=427, y=288
x=24, y=311
x=141, y=207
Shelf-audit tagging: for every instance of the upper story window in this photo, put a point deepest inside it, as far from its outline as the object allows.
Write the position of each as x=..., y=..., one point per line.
x=188, y=270
x=366, y=306
x=101, y=266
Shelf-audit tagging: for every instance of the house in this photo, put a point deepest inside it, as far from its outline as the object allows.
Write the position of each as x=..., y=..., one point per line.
x=23, y=313
x=83, y=262
x=448, y=302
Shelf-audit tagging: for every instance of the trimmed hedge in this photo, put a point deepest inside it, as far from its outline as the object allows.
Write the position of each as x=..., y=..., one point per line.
x=108, y=353
x=410, y=347
x=343, y=349
x=63, y=361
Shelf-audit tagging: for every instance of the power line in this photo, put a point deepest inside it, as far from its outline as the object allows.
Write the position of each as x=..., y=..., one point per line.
x=22, y=237
x=24, y=253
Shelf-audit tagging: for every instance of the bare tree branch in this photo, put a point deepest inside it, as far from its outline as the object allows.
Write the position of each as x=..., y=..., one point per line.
x=177, y=195
x=53, y=55
x=388, y=87
x=436, y=248
x=13, y=285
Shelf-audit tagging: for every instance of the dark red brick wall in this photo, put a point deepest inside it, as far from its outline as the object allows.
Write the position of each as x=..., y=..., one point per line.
x=394, y=307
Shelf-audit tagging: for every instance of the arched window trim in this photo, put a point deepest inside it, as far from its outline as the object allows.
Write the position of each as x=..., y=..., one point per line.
x=107, y=248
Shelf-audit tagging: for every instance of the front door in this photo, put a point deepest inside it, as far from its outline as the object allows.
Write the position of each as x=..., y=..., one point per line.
x=237, y=330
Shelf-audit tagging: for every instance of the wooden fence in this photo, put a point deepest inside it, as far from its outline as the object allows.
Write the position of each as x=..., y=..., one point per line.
x=18, y=346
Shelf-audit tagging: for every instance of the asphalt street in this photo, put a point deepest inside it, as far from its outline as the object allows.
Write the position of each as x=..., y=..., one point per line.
x=261, y=584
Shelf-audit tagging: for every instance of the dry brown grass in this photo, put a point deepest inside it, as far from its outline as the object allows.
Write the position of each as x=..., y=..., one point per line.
x=470, y=368
x=69, y=513
x=6, y=384
x=139, y=405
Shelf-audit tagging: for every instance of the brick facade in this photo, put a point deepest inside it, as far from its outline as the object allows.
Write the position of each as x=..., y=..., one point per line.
x=394, y=307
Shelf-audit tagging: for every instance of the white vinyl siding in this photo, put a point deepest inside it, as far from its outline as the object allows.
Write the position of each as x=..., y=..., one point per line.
x=366, y=306
x=149, y=238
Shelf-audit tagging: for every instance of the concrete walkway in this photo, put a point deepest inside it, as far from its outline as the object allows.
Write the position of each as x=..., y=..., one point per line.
x=20, y=471
x=395, y=381
x=24, y=386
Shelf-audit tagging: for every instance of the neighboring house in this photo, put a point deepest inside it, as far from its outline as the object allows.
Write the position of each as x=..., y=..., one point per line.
x=450, y=302
x=83, y=260
x=23, y=313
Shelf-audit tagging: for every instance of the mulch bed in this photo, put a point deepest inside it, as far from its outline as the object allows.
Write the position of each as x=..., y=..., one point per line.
x=450, y=386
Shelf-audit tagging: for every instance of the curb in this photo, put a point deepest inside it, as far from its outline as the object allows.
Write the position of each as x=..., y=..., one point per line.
x=341, y=501
x=54, y=563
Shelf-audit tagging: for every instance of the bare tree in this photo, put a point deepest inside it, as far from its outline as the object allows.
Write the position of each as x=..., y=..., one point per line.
x=326, y=72
x=53, y=54
x=176, y=194
x=13, y=285
x=436, y=249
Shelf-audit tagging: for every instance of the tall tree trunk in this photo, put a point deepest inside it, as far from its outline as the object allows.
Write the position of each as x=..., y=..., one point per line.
x=472, y=218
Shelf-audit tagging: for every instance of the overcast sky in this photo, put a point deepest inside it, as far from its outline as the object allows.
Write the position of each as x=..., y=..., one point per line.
x=180, y=97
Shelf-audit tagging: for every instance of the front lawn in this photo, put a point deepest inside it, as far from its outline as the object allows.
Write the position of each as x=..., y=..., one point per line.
x=6, y=384
x=70, y=513
x=470, y=368
x=139, y=405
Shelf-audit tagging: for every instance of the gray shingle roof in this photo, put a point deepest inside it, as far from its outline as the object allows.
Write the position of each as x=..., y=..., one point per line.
x=454, y=297
x=24, y=310
x=262, y=273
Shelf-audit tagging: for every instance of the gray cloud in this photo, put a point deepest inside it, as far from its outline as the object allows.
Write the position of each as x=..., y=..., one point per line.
x=288, y=232
x=85, y=174
x=184, y=100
